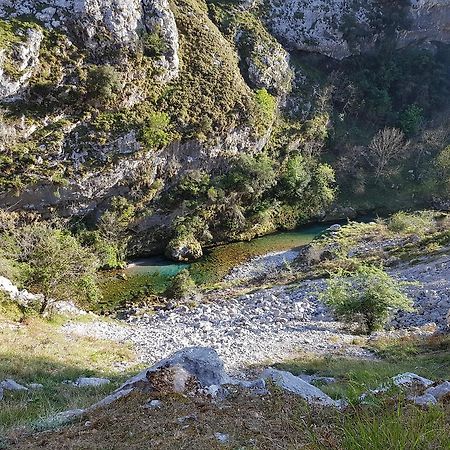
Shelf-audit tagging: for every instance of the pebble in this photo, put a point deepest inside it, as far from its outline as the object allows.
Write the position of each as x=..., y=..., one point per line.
x=270, y=323
x=222, y=438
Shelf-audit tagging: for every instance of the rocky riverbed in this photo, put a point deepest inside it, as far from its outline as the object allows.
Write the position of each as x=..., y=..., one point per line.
x=250, y=329
x=270, y=323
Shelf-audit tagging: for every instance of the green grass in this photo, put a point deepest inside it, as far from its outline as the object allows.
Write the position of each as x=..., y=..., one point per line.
x=280, y=420
x=396, y=427
x=139, y=288
x=429, y=358
x=38, y=352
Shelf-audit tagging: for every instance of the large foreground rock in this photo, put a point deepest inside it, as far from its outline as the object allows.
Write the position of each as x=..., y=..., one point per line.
x=188, y=370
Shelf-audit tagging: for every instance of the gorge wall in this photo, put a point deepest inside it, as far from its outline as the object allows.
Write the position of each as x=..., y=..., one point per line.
x=156, y=102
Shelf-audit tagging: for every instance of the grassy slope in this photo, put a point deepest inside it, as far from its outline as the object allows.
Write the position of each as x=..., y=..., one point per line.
x=37, y=352
x=278, y=420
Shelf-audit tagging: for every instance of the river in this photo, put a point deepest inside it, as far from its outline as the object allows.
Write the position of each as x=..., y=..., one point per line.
x=150, y=276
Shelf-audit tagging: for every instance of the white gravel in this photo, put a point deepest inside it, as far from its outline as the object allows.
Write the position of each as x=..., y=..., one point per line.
x=431, y=293
x=268, y=325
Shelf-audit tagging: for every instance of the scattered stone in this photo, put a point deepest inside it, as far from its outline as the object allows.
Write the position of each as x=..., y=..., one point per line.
x=35, y=386
x=1, y=393
x=154, y=404
x=91, y=382
x=377, y=391
x=409, y=379
x=66, y=416
x=311, y=394
x=334, y=228
x=423, y=400
x=439, y=391
x=11, y=385
x=189, y=418
x=222, y=438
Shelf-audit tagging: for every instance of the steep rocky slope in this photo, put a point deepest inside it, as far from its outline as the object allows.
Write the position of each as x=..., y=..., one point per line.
x=155, y=102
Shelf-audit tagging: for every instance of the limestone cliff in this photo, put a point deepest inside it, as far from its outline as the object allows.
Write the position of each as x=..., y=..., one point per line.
x=105, y=99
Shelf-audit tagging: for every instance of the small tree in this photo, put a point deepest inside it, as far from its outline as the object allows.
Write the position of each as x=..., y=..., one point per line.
x=368, y=297
x=60, y=268
x=103, y=83
x=182, y=285
x=387, y=146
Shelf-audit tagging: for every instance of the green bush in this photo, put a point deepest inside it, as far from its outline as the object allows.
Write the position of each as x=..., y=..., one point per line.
x=155, y=131
x=154, y=44
x=103, y=83
x=419, y=223
x=295, y=177
x=51, y=262
x=411, y=119
x=442, y=164
x=267, y=105
x=182, y=286
x=367, y=296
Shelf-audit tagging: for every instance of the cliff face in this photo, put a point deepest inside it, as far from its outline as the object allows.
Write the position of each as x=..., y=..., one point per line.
x=340, y=28
x=126, y=97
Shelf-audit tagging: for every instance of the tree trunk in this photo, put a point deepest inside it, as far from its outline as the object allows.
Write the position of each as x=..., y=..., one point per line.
x=44, y=305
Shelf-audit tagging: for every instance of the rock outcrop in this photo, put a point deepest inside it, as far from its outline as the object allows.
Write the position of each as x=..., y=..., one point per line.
x=18, y=61
x=104, y=27
x=298, y=386
x=316, y=25
x=340, y=28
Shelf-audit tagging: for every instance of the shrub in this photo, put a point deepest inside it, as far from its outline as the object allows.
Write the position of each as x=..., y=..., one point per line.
x=103, y=83
x=155, y=131
x=367, y=296
x=194, y=184
x=412, y=223
x=154, y=44
x=442, y=163
x=60, y=268
x=411, y=119
x=51, y=262
x=267, y=106
x=295, y=178
x=182, y=286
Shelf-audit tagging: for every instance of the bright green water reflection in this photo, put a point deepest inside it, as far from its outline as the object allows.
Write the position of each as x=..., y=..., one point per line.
x=152, y=275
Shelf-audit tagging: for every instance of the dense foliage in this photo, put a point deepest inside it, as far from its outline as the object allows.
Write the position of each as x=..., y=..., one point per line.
x=368, y=296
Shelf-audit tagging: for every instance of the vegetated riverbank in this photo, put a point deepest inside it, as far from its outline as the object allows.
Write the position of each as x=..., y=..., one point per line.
x=151, y=276
x=270, y=310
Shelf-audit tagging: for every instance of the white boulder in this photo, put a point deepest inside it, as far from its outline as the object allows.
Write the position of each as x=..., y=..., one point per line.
x=439, y=391
x=311, y=394
x=11, y=385
x=91, y=382
x=409, y=379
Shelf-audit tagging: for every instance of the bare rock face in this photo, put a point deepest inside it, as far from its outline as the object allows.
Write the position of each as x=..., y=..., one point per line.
x=105, y=26
x=325, y=26
x=316, y=25
x=158, y=17
x=18, y=61
x=268, y=67
x=429, y=22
